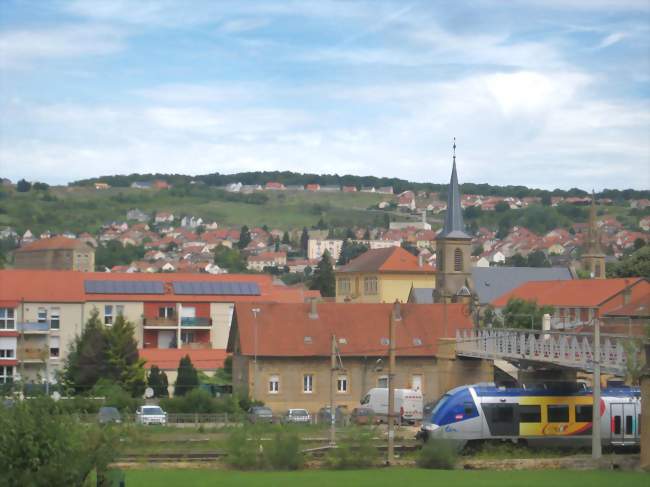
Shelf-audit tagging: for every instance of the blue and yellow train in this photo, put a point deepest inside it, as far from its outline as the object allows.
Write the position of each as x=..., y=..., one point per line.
x=544, y=415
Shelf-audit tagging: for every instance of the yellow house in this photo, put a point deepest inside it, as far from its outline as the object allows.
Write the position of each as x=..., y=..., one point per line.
x=382, y=276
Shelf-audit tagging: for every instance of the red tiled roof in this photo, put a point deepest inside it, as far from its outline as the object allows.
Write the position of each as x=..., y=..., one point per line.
x=639, y=308
x=581, y=293
x=391, y=259
x=55, y=243
x=68, y=286
x=281, y=328
x=168, y=358
x=267, y=256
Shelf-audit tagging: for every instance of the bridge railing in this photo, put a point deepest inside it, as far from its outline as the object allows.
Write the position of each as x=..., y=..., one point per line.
x=554, y=347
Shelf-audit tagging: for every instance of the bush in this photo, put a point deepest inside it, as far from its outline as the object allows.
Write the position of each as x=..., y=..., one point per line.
x=283, y=453
x=355, y=450
x=199, y=401
x=437, y=454
x=244, y=449
x=115, y=396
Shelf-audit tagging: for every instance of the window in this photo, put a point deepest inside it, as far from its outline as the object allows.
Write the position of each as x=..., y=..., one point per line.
x=458, y=260
x=440, y=260
x=308, y=383
x=42, y=315
x=382, y=381
x=530, y=414
x=166, y=312
x=617, y=425
x=584, y=414
x=504, y=414
x=6, y=374
x=187, y=336
x=7, y=353
x=108, y=314
x=558, y=413
x=416, y=382
x=55, y=320
x=629, y=427
x=274, y=384
x=54, y=347
x=344, y=286
x=7, y=319
x=370, y=285
x=342, y=384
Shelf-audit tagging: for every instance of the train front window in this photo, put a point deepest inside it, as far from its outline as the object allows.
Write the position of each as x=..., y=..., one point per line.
x=443, y=400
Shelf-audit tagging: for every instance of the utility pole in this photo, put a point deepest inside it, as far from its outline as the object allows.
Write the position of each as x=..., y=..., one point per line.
x=333, y=370
x=394, y=317
x=255, y=311
x=596, y=447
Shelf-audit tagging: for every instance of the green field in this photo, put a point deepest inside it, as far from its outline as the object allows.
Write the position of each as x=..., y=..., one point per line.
x=383, y=477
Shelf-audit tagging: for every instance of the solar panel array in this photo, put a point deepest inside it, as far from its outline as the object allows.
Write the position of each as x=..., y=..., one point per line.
x=124, y=287
x=217, y=288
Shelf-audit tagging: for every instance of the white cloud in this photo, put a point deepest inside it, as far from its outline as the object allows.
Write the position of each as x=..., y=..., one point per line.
x=237, y=26
x=20, y=48
x=611, y=39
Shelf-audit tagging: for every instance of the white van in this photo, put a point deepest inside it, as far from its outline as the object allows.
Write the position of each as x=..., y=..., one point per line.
x=408, y=403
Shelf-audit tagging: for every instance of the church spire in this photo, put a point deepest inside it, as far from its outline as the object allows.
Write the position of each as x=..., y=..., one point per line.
x=454, y=226
x=593, y=239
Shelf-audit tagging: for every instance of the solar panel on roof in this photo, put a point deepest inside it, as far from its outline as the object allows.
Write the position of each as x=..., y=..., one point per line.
x=217, y=288
x=123, y=287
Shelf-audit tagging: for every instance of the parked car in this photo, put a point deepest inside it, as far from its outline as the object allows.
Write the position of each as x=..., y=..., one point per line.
x=260, y=414
x=363, y=416
x=150, y=415
x=297, y=416
x=325, y=416
x=109, y=414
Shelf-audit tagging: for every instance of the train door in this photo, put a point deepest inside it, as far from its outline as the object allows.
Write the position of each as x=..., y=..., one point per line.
x=502, y=419
x=624, y=423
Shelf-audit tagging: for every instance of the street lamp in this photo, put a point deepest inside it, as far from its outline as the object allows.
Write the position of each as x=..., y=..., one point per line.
x=255, y=311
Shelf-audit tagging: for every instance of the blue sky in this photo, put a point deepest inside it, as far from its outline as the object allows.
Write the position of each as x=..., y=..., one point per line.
x=547, y=94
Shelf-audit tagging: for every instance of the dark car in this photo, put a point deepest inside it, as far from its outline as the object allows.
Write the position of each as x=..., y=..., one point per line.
x=109, y=414
x=325, y=416
x=260, y=414
x=363, y=416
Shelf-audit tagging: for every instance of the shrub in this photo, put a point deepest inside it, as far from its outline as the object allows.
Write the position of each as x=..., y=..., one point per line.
x=437, y=454
x=355, y=450
x=283, y=453
x=115, y=396
x=244, y=449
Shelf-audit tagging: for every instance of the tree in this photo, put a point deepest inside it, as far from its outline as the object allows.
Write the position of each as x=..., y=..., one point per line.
x=124, y=365
x=286, y=240
x=230, y=259
x=40, y=186
x=304, y=241
x=40, y=446
x=244, y=237
x=638, y=243
x=86, y=362
x=157, y=380
x=637, y=264
x=324, y=277
x=410, y=248
x=501, y=207
x=366, y=234
x=546, y=199
x=520, y=313
x=321, y=225
x=350, y=250
x=187, y=377
x=477, y=250
x=517, y=260
x=538, y=259
x=23, y=186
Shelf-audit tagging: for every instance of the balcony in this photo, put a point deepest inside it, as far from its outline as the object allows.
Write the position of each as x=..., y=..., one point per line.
x=196, y=346
x=196, y=322
x=33, y=354
x=33, y=328
x=160, y=322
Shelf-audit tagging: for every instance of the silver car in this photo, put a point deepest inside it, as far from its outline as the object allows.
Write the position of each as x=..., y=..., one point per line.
x=150, y=415
x=297, y=416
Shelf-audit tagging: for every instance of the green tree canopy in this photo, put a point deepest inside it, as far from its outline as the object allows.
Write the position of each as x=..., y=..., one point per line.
x=23, y=186
x=230, y=259
x=520, y=313
x=187, y=377
x=324, y=277
x=158, y=381
x=244, y=237
x=304, y=241
x=350, y=250
x=637, y=264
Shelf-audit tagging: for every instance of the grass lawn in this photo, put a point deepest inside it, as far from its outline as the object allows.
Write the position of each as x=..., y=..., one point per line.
x=383, y=477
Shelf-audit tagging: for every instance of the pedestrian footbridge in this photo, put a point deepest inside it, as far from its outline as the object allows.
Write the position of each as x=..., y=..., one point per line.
x=551, y=348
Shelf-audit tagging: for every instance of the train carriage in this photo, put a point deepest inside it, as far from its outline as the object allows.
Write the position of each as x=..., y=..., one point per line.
x=545, y=415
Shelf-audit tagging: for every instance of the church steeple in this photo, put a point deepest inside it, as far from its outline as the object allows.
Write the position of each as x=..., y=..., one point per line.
x=454, y=226
x=593, y=258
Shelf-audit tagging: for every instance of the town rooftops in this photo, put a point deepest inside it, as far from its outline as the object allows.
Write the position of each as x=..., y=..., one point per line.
x=580, y=293
x=28, y=285
x=55, y=243
x=390, y=259
x=639, y=308
x=168, y=358
x=298, y=330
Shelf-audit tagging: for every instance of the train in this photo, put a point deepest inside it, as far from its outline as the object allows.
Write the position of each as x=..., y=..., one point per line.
x=546, y=415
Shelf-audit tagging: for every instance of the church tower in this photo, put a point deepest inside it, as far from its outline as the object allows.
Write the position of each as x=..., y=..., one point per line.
x=453, y=275
x=593, y=258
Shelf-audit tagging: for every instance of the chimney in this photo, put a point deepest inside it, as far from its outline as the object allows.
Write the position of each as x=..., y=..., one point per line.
x=627, y=293
x=313, y=312
x=397, y=311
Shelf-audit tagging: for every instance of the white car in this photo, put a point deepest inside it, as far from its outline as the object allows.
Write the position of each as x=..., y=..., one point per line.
x=150, y=415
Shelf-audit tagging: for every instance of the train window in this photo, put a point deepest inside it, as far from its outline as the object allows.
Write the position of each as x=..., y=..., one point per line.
x=468, y=408
x=617, y=425
x=558, y=413
x=628, y=425
x=504, y=414
x=530, y=414
x=584, y=414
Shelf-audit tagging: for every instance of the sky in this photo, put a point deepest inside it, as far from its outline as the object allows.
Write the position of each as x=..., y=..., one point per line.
x=542, y=93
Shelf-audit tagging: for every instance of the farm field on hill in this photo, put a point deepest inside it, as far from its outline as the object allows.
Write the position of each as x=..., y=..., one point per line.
x=381, y=477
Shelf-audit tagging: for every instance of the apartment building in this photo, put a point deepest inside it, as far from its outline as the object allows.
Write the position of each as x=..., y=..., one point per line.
x=41, y=313
x=282, y=352
x=317, y=247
